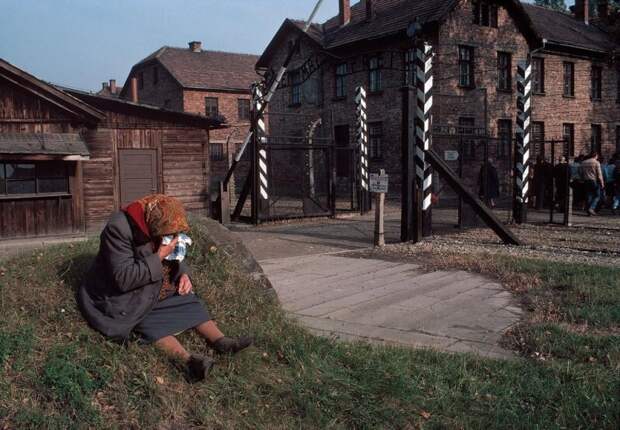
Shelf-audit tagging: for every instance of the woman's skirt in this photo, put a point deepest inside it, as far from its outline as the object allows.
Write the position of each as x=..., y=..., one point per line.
x=172, y=316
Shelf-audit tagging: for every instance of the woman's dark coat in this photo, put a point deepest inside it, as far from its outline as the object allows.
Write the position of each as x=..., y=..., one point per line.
x=124, y=282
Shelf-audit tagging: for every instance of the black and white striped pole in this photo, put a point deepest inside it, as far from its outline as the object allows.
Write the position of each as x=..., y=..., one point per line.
x=522, y=153
x=260, y=192
x=362, y=146
x=423, y=124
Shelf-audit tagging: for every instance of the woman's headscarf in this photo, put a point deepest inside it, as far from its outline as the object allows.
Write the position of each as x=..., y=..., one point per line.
x=158, y=215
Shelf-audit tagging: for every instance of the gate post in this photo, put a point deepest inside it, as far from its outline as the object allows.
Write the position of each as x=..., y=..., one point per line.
x=362, y=146
x=410, y=225
x=522, y=156
x=260, y=186
x=424, y=84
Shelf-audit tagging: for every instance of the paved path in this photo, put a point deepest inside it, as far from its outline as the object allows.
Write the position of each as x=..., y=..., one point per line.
x=394, y=302
x=376, y=300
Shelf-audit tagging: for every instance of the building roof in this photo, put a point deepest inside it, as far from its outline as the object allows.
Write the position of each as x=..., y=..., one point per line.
x=392, y=17
x=563, y=29
x=59, y=144
x=49, y=93
x=206, y=70
x=115, y=104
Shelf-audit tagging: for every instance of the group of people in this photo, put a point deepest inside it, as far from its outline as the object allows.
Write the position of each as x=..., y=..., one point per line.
x=595, y=183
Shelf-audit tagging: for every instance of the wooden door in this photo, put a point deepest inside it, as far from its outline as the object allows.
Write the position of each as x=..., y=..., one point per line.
x=138, y=174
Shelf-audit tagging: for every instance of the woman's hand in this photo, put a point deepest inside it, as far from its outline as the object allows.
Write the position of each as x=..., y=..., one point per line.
x=166, y=250
x=185, y=285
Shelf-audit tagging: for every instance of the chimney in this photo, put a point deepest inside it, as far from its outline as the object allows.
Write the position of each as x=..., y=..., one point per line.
x=368, y=10
x=134, y=90
x=113, y=86
x=345, y=11
x=603, y=9
x=104, y=86
x=195, y=46
x=582, y=11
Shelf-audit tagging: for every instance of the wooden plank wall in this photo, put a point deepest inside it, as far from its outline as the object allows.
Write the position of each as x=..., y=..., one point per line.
x=182, y=163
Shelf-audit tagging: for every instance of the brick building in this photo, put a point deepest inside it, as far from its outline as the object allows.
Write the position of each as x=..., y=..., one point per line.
x=193, y=80
x=477, y=47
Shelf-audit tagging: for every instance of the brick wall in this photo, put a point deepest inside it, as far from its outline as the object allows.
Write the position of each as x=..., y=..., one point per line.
x=165, y=93
x=451, y=101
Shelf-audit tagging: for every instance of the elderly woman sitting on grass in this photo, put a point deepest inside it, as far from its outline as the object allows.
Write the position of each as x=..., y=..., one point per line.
x=139, y=284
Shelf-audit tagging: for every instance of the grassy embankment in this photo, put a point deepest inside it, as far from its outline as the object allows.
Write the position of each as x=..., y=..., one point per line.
x=57, y=373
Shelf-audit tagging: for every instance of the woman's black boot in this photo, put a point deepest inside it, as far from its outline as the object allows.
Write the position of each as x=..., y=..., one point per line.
x=230, y=345
x=198, y=368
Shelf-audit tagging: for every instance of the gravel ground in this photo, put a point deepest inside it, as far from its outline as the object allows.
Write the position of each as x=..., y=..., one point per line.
x=584, y=245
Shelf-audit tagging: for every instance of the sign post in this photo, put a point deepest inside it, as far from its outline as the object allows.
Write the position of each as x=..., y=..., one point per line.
x=379, y=186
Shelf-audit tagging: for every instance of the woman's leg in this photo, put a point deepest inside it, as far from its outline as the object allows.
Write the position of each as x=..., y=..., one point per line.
x=171, y=346
x=210, y=331
x=220, y=342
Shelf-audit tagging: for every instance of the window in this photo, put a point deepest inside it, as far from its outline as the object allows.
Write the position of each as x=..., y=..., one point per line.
x=504, y=133
x=155, y=75
x=485, y=14
x=295, y=83
x=618, y=138
x=410, y=67
x=243, y=109
x=618, y=86
x=212, y=109
x=341, y=80
x=597, y=82
x=374, y=74
x=538, y=75
x=596, y=139
x=504, y=71
x=167, y=104
x=569, y=79
x=216, y=151
x=568, y=130
x=466, y=127
x=33, y=178
x=466, y=66
x=375, y=134
x=141, y=80
x=538, y=138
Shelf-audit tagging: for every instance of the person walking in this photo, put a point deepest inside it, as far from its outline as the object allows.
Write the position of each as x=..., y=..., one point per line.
x=593, y=181
x=616, y=200
x=488, y=183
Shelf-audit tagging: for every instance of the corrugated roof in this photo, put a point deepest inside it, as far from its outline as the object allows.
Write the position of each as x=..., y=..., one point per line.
x=43, y=143
x=207, y=69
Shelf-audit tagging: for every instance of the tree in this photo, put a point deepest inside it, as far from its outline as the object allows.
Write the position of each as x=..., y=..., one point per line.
x=552, y=4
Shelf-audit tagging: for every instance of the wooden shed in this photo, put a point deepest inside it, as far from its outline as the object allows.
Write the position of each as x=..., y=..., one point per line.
x=68, y=159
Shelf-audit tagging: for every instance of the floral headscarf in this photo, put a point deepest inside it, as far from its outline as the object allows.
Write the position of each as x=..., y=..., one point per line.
x=158, y=215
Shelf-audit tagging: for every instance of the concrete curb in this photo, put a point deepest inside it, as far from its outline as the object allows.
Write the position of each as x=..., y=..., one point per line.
x=231, y=244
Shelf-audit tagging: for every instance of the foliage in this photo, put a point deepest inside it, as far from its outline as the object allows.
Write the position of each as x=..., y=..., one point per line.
x=552, y=4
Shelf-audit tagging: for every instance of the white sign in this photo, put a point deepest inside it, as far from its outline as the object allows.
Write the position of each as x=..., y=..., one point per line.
x=378, y=183
x=451, y=155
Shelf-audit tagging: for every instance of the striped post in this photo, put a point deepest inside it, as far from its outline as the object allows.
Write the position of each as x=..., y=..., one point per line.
x=261, y=132
x=362, y=145
x=423, y=120
x=522, y=156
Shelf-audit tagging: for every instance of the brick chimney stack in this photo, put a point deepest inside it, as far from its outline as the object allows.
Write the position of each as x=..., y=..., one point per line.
x=113, y=86
x=582, y=11
x=195, y=46
x=104, y=85
x=345, y=11
x=368, y=10
x=134, y=90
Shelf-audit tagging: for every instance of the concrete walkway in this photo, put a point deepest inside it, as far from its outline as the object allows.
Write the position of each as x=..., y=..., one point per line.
x=375, y=300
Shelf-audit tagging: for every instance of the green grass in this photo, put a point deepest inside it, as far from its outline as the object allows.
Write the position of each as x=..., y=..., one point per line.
x=57, y=373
